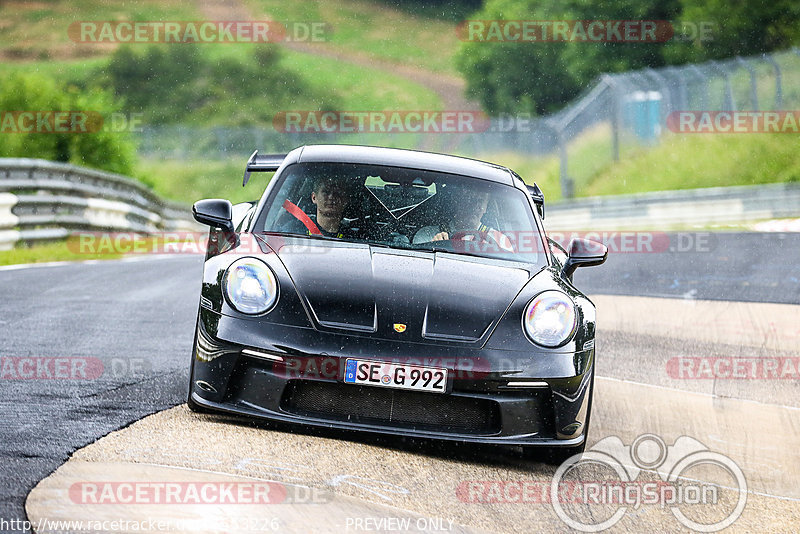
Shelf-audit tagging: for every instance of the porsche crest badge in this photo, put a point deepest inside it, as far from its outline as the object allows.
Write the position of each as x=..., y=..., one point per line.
x=399, y=328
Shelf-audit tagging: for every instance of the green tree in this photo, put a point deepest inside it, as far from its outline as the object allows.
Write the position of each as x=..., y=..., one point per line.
x=454, y=10
x=183, y=84
x=510, y=76
x=100, y=147
x=540, y=77
x=740, y=27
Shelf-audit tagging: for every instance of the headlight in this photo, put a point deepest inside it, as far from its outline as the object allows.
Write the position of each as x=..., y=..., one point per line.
x=250, y=286
x=549, y=319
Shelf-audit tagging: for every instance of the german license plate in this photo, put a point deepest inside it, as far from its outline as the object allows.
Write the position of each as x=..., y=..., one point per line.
x=395, y=375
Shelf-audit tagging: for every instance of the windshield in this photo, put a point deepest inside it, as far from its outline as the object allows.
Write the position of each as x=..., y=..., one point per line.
x=404, y=208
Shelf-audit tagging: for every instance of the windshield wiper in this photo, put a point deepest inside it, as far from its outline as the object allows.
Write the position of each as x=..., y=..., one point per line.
x=320, y=236
x=430, y=247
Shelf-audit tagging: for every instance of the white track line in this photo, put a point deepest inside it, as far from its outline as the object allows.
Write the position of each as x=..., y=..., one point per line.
x=126, y=259
x=687, y=392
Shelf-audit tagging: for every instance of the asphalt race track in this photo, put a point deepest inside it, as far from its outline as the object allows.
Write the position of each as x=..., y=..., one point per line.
x=137, y=318
x=122, y=330
x=749, y=267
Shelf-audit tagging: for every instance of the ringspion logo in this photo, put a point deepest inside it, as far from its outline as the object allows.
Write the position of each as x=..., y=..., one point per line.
x=674, y=483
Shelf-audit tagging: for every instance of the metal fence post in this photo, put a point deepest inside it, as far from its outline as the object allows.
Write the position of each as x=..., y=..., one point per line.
x=753, y=88
x=662, y=82
x=615, y=113
x=704, y=82
x=729, y=104
x=567, y=185
x=682, y=98
x=778, y=83
x=666, y=96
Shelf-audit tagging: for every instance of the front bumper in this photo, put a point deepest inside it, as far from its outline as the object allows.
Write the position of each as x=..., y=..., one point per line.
x=294, y=375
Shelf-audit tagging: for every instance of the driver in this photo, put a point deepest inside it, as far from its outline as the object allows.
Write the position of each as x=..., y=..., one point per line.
x=330, y=195
x=466, y=222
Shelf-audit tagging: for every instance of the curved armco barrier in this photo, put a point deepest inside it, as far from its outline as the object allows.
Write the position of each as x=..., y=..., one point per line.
x=43, y=200
x=733, y=205
x=179, y=466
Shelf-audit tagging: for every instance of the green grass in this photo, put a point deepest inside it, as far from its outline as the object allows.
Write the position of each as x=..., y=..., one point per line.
x=101, y=246
x=190, y=180
x=353, y=87
x=68, y=70
x=360, y=88
x=541, y=170
x=694, y=161
x=587, y=155
x=56, y=251
x=39, y=30
x=30, y=33
x=35, y=36
x=678, y=162
x=374, y=29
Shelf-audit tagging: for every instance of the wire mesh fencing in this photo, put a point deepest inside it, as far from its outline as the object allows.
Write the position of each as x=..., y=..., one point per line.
x=618, y=114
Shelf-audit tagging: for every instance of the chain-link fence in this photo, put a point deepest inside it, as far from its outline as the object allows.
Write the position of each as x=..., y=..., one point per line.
x=627, y=111
x=618, y=114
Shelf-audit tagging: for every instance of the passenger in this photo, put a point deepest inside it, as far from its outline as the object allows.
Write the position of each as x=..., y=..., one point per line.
x=466, y=222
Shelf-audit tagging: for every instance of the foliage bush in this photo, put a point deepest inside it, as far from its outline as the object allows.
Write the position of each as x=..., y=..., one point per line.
x=184, y=84
x=102, y=149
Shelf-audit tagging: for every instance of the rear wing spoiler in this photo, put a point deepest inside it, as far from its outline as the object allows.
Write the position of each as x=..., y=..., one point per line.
x=537, y=196
x=262, y=163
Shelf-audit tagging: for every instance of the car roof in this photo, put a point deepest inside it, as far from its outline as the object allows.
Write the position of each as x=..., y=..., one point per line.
x=411, y=159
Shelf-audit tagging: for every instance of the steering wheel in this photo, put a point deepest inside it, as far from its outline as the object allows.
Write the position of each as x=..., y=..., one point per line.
x=463, y=235
x=489, y=236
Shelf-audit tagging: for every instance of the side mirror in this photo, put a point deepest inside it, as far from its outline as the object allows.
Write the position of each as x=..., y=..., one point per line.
x=214, y=212
x=583, y=253
x=537, y=196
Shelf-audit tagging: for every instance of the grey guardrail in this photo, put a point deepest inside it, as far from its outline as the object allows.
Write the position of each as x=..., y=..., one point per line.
x=44, y=200
x=683, y=208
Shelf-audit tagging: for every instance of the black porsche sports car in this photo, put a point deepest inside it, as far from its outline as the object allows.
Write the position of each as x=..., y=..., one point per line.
x=397, y=292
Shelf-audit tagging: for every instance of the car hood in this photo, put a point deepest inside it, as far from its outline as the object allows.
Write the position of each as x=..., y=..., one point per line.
x=399, y=294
